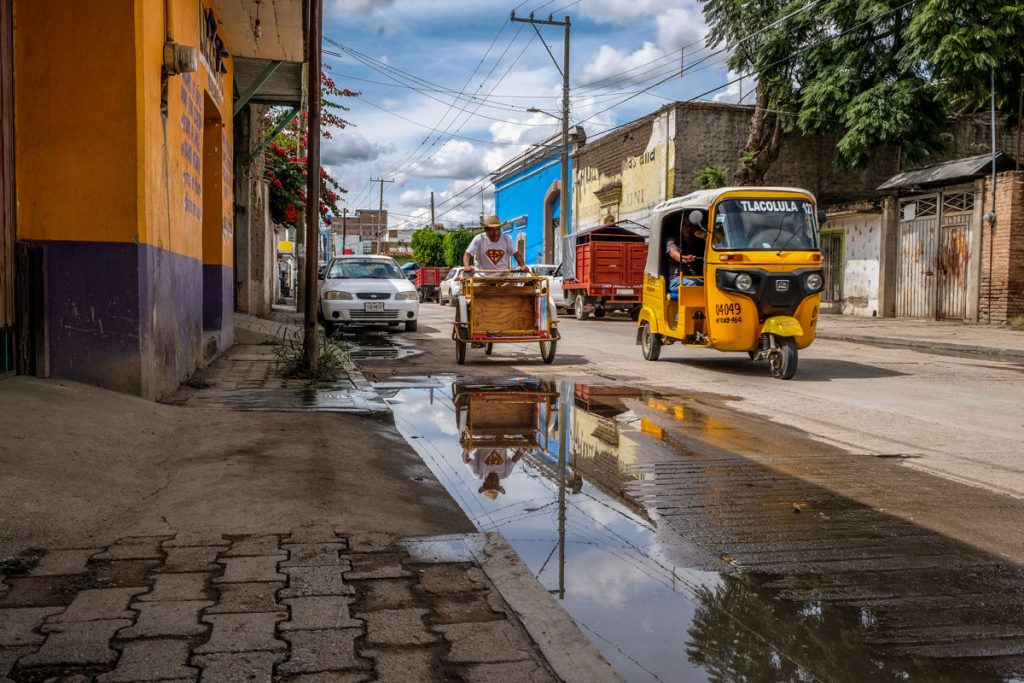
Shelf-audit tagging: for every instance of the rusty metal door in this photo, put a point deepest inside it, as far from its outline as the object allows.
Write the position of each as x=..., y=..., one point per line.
x=953, y=254
x=7, y=236
x=833, y=263
x=918, y=239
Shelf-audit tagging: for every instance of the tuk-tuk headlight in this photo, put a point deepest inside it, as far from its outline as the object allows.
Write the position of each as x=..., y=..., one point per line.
x=744, y=282
x=813, y=282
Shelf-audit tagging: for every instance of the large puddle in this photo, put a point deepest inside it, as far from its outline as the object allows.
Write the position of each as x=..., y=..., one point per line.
x=656, y=593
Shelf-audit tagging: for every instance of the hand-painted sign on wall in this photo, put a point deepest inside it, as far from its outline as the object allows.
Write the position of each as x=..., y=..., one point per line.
x=191, y=146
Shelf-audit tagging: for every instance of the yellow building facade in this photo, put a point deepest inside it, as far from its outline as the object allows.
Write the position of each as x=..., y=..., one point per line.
x=124, y=167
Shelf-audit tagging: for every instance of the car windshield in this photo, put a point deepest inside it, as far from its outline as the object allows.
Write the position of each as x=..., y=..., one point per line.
x=765, y=225
x=365, y=269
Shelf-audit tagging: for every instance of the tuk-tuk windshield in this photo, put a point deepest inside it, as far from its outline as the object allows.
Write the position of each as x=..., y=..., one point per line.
x=765, y=225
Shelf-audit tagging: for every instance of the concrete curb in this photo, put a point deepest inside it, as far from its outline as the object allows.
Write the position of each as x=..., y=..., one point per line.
x=931, y=346
x=570, y=654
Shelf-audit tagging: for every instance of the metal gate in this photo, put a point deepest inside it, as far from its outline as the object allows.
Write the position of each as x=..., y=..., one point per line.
x=934, y=244
x=7, y=236
x=833, y=262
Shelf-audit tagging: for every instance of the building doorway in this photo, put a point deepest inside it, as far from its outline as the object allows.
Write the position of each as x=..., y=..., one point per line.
x=833, y=263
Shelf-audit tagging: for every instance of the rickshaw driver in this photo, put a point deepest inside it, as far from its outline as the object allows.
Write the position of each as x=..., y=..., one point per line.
x=688, y=256
x=491, y=250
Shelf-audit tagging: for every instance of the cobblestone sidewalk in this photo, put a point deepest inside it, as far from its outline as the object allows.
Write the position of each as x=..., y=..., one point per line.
x=311, y=606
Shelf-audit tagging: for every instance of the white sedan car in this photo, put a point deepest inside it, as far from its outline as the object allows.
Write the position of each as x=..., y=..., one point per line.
x=450, y=287
x=553, y=274
x=367, y=290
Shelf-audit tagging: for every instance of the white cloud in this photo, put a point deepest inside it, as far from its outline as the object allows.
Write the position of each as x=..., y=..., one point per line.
x=357, y=7
x=680, y=27
x=619, y=66
x=347, y=146
x=456, y=159
x=732, y=92
x=623, y=12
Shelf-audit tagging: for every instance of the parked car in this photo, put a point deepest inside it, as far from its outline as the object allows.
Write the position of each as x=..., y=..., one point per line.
x=367, y=290
x=450, y=287
x=553, y=274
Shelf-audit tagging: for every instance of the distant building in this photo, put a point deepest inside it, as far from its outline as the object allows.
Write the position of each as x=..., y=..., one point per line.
x=362, y=232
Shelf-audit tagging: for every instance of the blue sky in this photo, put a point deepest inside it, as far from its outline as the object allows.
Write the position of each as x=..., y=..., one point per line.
x=412, y=60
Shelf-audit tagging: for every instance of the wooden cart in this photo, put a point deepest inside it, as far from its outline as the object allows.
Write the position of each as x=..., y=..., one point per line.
x=504, y=308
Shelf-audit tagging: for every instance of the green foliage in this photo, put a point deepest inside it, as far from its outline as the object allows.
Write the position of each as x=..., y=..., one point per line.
x=1017, y=323
x=711, y=177
x=428, y=247
x=879, y=72
x=22, y=563
x=455, y=244
x=332, y=359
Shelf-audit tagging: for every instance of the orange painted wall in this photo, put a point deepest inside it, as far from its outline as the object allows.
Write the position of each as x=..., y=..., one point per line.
x=75, y=120
x=97, y=160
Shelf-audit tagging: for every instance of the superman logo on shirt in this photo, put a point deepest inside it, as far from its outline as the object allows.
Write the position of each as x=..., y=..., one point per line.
x=495, y=255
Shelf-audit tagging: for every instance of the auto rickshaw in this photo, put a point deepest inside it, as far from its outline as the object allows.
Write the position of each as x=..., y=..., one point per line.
x=762, y=275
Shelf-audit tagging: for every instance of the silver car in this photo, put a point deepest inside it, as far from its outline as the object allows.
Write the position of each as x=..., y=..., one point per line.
x=450, y=288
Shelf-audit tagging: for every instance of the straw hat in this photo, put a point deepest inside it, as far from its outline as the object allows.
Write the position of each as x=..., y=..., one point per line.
x=493, y=222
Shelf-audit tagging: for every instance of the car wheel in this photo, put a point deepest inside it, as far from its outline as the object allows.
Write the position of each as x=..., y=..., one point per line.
x=411, y=325
x=580, y=308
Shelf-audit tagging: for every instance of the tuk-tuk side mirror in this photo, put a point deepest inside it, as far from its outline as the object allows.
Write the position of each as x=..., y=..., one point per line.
x=822, y=217
x=695, y=217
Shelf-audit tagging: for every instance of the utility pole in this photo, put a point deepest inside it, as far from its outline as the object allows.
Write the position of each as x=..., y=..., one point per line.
x=344, y=229
x=432, y=211
x=563, y=221
x=380, y=211
x=313, y=183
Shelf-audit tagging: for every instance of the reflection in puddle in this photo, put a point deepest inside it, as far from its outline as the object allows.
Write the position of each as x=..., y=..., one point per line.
x=375, y=345
x=820, y=588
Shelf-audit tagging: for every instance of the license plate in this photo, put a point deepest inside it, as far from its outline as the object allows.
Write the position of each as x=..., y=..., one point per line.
x=373, y=306
x=624, y=292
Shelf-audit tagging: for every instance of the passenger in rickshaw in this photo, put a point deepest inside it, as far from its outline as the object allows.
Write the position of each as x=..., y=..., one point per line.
x=685, y=256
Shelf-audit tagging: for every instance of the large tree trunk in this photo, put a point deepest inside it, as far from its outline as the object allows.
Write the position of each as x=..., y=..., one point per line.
x=764, y=140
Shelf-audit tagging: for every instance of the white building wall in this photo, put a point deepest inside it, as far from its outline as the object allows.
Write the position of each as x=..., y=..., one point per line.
x=863, y=248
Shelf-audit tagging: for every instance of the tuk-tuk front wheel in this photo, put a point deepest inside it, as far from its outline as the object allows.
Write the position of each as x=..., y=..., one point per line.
x=783, y=358
x=547, y=351
x=650, y=342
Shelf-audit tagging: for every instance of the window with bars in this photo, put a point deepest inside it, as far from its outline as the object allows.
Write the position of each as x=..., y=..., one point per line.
x=957, y=202
x=919, y=207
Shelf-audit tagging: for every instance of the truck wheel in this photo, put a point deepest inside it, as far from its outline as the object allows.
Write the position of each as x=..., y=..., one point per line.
x=581, y=312
x=650, y=342
x=547, y=351
x=599, y=312
x=783, y=359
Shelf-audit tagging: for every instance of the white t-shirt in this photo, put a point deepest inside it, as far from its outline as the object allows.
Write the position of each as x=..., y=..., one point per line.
x=488, y=255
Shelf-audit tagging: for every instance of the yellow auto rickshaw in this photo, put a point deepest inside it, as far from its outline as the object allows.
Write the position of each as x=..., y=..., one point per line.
x=755, y=277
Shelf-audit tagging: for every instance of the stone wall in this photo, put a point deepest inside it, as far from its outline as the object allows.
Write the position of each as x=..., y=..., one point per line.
x=1002, y=268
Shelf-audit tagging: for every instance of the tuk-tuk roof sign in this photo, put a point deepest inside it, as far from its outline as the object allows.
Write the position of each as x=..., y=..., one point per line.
x=703, y=199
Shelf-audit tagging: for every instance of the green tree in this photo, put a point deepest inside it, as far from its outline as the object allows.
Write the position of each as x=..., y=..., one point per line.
x=877, y=72
x=455, y=244
x=711, y=177
x=428, y=247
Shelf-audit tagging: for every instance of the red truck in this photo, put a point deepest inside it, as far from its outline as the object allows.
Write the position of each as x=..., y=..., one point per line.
x=428, y=281
x=609, y=272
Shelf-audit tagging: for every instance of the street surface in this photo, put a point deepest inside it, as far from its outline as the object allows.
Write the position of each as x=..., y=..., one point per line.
x=859, y=522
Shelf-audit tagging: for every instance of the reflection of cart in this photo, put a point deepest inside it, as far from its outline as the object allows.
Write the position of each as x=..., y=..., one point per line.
x=504, y=308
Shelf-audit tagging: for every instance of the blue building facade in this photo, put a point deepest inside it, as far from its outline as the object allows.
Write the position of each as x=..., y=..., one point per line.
x=527, y=195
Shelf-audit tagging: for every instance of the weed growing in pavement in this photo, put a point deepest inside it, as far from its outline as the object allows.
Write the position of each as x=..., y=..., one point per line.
x=1017, y=323
x=332, y=359
x=197, y=383
x=23, y=563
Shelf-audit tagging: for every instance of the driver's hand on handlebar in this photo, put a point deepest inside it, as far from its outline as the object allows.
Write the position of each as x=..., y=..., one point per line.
x=468, y=269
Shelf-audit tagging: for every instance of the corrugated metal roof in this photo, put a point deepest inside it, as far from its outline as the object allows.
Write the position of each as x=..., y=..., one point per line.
x=284, y=87
x=947, y=173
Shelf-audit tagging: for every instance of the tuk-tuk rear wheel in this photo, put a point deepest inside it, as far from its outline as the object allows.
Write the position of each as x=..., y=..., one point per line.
x=783, y=358
x=650, y=342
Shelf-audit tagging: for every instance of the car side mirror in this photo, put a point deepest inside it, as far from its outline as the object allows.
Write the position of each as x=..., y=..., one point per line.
x=822, y=217
x=695, y=217
x=321, y=276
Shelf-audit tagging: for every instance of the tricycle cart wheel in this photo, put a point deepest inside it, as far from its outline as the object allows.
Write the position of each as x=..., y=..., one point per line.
x=460, y=352
x=650, y=342
x=580, y=308
x=489, y=349
x=783, y=359
x=547, y=351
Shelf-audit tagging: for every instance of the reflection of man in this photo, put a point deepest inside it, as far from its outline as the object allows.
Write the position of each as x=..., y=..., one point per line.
x=491, y=250
x=491, y=465
x=687, y=256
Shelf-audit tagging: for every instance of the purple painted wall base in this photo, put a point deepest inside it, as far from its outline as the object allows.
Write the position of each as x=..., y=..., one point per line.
x=129, y=317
